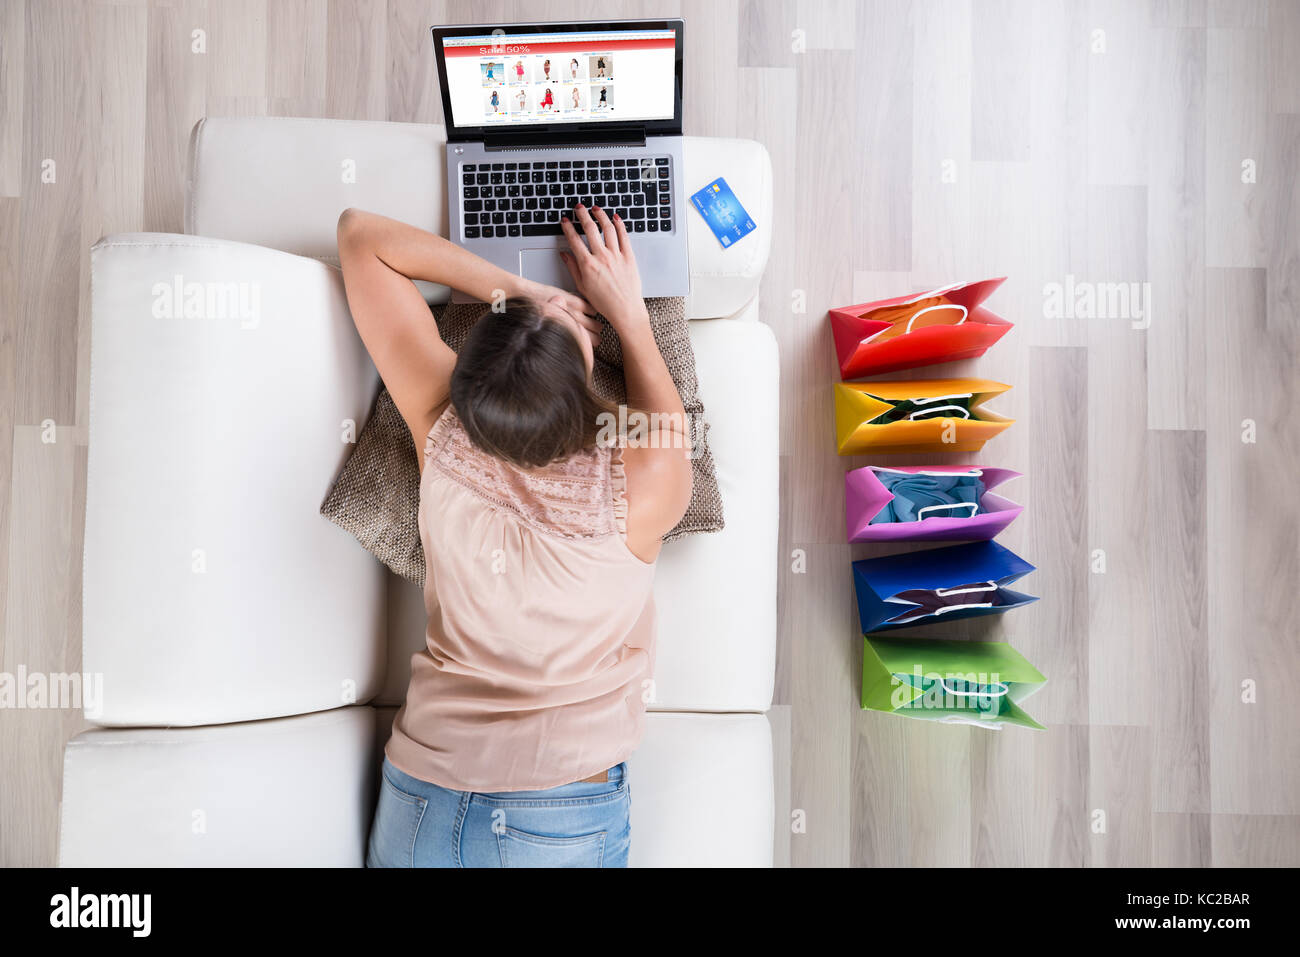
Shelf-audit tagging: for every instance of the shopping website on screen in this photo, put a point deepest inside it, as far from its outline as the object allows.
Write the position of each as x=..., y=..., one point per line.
x=561, y=77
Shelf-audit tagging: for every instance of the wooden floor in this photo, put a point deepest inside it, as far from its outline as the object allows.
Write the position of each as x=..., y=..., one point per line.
x=915, y=143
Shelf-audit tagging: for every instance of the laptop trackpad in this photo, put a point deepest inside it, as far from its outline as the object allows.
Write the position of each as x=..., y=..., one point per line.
x=544, y=266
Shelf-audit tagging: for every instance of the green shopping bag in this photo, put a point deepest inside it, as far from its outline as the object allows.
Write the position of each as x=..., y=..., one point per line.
x=957, y=682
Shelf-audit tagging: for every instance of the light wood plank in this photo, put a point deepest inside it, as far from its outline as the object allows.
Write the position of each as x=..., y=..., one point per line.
x=1284, y=70
x=356, y=86
x=770, y=116
x=1252, y=528
x=55, y=121
x=1176, y=232
x=41, y=577
x=413, y=95
x=881, y=112
x=13, y=37
x=1179, y=684
x=1282, y=223
x=825, y=769
x=830, y=24
x=1029, y=797
x=1118, y=41
x=1119, y=796
x=1055, y=630
x=175, y=99
x=1255, y=841
x=1002, y=43
x=1236, y=101
x=767, y=33
x=1116, y=559
x=1180, y=840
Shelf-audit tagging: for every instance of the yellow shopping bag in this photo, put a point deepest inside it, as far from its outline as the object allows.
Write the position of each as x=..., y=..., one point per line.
x=922, y=415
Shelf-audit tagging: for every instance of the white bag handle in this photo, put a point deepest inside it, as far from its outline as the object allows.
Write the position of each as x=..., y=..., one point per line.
x=977, y=694
x=947, y=608
x=987, y=586
x=973, y=506
x=965, y=414
x=971, y=472
x=948, y=305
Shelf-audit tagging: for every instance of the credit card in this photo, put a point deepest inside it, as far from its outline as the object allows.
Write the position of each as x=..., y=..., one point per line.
x=723, y=212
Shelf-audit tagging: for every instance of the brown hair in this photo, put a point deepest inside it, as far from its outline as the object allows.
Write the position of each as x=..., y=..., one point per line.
x=520, y=388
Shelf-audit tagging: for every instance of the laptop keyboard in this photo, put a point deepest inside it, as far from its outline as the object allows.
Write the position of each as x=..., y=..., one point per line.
x=527, y=199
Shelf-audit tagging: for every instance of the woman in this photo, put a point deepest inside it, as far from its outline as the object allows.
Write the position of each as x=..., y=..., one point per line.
x=539, y=541
x=548, y=101
x=495, y=101
x=573, y=69
x=576, y=100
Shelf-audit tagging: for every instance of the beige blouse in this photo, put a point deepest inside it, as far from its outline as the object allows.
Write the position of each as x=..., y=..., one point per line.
x=541, y=637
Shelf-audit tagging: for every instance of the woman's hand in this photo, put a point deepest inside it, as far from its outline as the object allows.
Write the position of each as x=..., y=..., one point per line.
x=562, y=304
x=543, y=294
x=604, y=268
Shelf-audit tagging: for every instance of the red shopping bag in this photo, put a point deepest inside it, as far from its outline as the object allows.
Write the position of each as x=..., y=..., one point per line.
x=918, y=330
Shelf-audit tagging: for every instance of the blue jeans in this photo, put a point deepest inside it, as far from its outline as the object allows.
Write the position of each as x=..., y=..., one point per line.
x=419, y=824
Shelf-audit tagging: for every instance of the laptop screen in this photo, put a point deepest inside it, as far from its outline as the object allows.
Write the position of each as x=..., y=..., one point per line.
x=505, y=79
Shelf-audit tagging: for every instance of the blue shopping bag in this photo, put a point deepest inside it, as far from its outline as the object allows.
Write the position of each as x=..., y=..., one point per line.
x=938, y=584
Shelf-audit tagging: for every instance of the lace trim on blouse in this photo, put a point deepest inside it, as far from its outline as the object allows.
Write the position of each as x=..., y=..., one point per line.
x=581, y=497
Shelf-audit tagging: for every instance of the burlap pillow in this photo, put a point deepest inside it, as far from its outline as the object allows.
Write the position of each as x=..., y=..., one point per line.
x=377, y=495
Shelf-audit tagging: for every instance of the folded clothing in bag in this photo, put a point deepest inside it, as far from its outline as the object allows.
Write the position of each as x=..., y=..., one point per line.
x=923, y=415
x=926, y=503
x=910, y=410
x=922, y=602
x=911, y=589
x=917, y=493
x=919, y=314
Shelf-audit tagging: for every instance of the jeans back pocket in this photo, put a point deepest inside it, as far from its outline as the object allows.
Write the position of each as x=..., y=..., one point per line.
x=524, y=849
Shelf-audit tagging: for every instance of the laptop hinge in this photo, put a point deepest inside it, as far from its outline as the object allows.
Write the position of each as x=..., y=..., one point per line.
x=540, y=140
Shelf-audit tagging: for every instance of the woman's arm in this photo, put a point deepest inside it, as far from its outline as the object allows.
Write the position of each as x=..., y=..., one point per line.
x=380, y=257
x=658, y=467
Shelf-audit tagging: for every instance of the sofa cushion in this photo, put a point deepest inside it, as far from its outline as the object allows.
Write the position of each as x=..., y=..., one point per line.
x=290, y=792
x=212, y=589
x=282, y=182
x=230, y=796
x=715, y=594
x=702, y=792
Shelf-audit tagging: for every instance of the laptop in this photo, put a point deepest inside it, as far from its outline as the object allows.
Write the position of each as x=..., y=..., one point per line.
x=541, y=116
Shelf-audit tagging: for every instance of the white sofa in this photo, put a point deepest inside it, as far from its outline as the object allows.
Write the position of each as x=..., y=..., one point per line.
x=252, y=653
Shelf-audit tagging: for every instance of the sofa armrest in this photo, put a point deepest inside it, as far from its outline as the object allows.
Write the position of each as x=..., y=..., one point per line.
x=282, y=182
x=222, y=380
x=725, y=280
